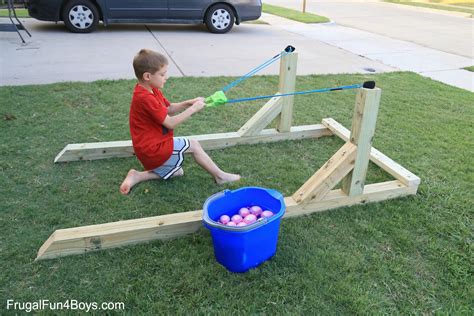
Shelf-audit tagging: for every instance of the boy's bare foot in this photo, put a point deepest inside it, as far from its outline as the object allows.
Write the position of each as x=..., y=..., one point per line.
x=227, y=177
x=130, y=180
x=178, y=173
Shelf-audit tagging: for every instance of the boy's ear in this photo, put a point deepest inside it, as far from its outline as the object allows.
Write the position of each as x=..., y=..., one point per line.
x=146, y=76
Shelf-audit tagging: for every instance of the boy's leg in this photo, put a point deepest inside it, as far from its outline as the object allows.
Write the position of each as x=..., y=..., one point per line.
x=203, y=159
x=133, y=177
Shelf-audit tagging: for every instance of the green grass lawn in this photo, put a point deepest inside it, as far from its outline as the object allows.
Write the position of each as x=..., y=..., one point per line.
x=471, y=68
x=293, y=14
x=406, y=256
x=21, y=13
x=433, y=6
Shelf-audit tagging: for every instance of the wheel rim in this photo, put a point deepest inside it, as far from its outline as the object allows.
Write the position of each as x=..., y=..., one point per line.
x=81, y=17
x=221, y=19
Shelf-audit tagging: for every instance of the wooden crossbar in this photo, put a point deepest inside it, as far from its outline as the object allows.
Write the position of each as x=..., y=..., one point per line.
x=103, y=150
x=80, y=240
x=64, y=242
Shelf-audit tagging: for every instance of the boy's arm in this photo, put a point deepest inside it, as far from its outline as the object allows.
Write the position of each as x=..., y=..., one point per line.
x=180, y=106
x=172, y=121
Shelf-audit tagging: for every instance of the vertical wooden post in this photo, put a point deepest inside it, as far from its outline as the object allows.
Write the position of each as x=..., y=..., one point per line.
x=287, y=84
x=362, y=132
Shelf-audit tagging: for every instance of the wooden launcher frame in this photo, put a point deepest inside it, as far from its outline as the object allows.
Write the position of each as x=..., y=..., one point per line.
x=349, y=165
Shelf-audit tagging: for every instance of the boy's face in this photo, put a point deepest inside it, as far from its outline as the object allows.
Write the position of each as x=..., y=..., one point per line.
x=158, y=79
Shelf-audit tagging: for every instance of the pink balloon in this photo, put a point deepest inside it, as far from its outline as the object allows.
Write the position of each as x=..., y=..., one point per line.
x=224, y=219
x=244, y=211
x=236, y=218
x=231, y=224
x=249, y=219
x=242, y=224
x=256, y=210
x=267, y=213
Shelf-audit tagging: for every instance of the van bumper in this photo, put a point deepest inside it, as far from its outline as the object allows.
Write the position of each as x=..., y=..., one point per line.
x=249, y=12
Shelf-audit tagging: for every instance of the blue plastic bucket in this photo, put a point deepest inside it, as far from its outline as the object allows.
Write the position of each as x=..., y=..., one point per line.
x=239, y=249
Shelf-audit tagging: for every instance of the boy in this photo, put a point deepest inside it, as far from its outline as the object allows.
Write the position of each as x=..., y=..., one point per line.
x=151, y=127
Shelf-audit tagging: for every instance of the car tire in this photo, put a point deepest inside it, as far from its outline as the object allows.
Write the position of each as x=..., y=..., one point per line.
x=220, y=18
x=80, y=16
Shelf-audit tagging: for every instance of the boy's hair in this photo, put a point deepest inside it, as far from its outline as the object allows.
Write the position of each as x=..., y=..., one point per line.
x=148, y=61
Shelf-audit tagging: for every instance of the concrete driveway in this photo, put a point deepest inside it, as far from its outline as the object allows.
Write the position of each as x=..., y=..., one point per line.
x=437, y=45
x=445, y=31
x=53, y=54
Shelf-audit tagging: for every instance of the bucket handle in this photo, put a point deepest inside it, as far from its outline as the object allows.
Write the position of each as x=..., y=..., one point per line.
x=258, y=223
x=210, y=222
x=206, y=217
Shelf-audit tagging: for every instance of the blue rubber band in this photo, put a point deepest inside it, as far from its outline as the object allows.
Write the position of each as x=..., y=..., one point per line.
x=255, y=70
x=354, y=86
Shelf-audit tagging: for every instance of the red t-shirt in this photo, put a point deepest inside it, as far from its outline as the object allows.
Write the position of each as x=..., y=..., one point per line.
x=152, y=141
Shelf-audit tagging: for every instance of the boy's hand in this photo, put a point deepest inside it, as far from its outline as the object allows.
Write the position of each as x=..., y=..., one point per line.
x=192, y=101
x=198, y=105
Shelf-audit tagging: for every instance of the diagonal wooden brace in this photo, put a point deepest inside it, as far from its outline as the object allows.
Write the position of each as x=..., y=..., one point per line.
x=262, y=118
x=326, y=178
x=396, y=170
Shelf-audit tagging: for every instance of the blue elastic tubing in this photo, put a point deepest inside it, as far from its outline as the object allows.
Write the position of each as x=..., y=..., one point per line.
x=354, y=86
x=255, y=70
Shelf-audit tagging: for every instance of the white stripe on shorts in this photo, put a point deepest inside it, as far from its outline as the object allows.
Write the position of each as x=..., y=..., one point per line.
x=180, y=145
